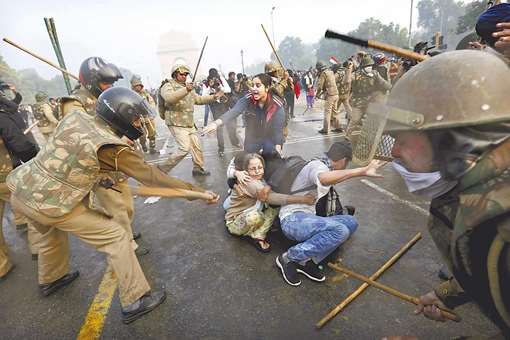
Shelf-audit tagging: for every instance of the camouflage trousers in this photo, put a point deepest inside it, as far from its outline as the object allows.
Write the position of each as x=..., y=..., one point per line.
x=95, y=229
x=255, y=226
x=355, y=120
x=34, y=237
x=345, y=100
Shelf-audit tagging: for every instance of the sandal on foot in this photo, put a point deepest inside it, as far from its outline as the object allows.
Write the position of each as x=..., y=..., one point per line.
x=256, y=243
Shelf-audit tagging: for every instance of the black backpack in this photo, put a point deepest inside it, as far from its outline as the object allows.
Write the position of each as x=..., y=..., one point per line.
x=280, y=174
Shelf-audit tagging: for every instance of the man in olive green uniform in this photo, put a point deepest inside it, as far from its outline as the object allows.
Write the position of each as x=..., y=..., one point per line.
x=60, y=201
x=178, y=99
x=149, y=123
x=43, y=112
x=455, y=150
x=326, y=85
x=367, y=86
x=343, y=78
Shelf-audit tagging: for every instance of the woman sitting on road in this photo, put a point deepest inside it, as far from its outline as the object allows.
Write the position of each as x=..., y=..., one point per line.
x=265, y=117
x=247, y=212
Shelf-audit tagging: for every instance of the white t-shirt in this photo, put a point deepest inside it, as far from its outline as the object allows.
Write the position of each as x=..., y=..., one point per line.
x=308, y=176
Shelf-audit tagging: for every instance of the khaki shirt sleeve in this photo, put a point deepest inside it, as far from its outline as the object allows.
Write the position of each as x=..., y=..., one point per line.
x=48, y=113
x=320, y=84
x=69, y=106
x=170, y=96
x=125, y=159
x=202, y=100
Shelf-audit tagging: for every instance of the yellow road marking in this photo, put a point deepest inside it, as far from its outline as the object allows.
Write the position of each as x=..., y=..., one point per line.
x=94, y=321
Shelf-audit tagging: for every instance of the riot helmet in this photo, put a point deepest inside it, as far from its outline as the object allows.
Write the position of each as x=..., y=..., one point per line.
x=452, y=89
x=320, y=66
x=41, y=97
x=120, y=107
x=181, y=68
x=379, y=58
x=95, y=70
x=135, y=81
x=272, y=68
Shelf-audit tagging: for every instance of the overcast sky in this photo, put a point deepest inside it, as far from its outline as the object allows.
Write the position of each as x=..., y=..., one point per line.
x=127, y=32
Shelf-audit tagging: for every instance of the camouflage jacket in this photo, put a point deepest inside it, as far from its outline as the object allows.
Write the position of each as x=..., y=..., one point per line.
x=344, y=87
x=43, y=112
x=86, y=100
x=482, y=195
x=179, y=103
x=327, y=84
x=67, y=169
x=366, y=87
x=5, y=161
x=278, y=87
x=147, y=96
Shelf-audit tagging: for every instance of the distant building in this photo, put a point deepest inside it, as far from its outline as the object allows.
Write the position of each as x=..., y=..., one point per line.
x=177, y=48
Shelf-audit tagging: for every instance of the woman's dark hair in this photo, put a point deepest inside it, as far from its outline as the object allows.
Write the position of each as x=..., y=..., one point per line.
x=239, y=159
x=265, y=79
x=248, y=157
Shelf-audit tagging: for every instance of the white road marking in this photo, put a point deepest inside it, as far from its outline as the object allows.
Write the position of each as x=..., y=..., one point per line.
x=395, y=197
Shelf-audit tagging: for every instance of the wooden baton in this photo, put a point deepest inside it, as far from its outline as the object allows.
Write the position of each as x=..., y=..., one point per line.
x=450, y=315
x=364, y=286
x=10, y=42
x=28, y=129
x=169, y=193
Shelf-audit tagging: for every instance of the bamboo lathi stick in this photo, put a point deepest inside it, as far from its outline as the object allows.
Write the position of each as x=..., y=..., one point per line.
x=364, y=286
x=392, y=291
x=170, y=193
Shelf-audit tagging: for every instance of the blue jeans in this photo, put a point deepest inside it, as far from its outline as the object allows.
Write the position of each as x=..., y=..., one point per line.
x=319, y=236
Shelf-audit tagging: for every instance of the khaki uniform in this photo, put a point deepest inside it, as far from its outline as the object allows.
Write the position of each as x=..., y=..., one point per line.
x=179, y=106
x=43, y=112
x=150, y=124
x=34, y=236
x=327, y=84
x=59, y=201
x=120, y=204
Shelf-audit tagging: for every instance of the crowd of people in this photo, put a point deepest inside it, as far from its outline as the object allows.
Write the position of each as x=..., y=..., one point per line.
x=451, y=145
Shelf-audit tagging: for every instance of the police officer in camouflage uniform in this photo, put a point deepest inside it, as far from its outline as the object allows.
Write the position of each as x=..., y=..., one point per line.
x=459, y=146
x=55, y=190
x=367, y=86
x=149, y=121
x=279, y=85
x=326, y=86
x=177, y=100
x=343, y=79
x=280, y=82
x=43, y=112
x=97, y=75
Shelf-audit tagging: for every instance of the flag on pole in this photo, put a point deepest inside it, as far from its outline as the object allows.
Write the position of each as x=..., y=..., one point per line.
x=333, y=60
